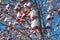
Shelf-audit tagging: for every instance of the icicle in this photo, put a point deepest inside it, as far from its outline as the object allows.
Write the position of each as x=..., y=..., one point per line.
x=49, y=17
x=5, y=19
x=35, y=24
x=33, y=14
x=50, y=7
x=7, y=9
x=18, y=15
x=48, y=25
x=48, y=34
x=9, y=23
x=16, y=9
x=7, y=6
x=58, y=11
x=14, y=24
